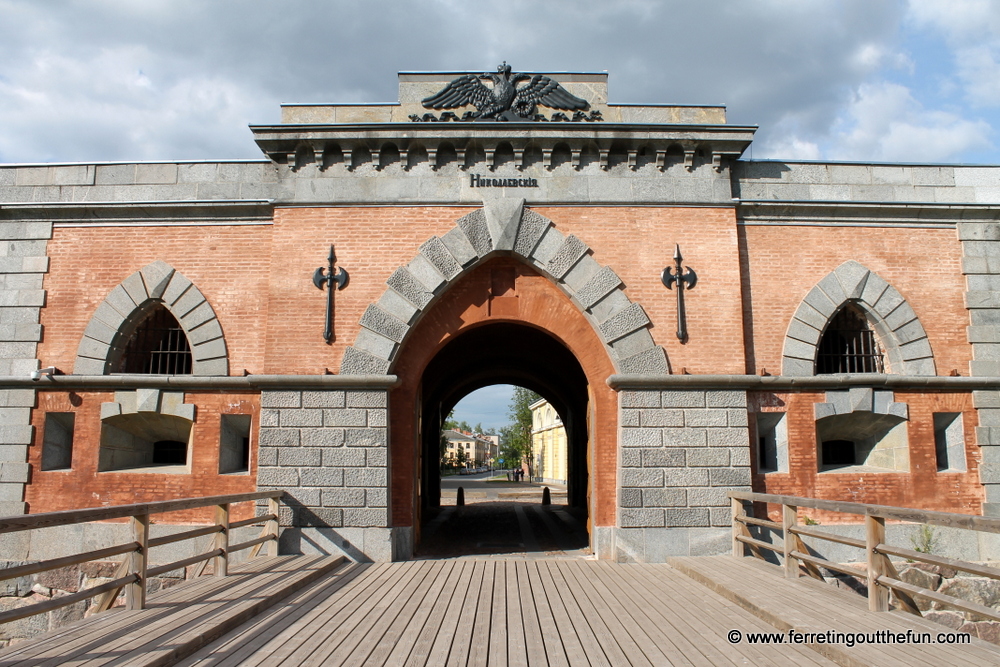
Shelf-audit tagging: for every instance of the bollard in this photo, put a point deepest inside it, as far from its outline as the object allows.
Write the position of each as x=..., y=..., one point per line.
x=546, y=496
x=460, y=499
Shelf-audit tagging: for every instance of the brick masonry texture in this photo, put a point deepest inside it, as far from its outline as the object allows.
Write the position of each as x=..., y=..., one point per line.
x=681, y=456
x=328, y=451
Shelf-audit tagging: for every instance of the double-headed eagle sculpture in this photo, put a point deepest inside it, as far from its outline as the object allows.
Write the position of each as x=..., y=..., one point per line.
x=504, y=101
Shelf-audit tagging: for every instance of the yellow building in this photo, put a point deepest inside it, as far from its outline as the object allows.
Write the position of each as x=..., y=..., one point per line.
x=548, y=443
x=478, y=449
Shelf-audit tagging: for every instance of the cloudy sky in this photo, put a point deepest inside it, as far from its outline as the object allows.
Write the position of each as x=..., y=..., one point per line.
x=896, y=80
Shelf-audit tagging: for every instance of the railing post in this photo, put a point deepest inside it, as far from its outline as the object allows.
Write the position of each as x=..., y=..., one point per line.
x=273, y=507
x=878, y=595
x=135, y=593
x=221, y=563
x=738, y=511
x=790, y=519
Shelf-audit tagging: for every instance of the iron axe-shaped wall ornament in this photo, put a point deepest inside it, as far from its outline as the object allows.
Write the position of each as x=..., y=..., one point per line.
x=684, y=279
x=328, y=277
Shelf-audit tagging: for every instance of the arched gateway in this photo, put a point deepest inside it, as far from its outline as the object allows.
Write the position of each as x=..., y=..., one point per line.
x=456, y=282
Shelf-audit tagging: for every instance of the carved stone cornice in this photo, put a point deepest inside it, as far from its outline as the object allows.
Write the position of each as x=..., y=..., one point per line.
x=295, y=145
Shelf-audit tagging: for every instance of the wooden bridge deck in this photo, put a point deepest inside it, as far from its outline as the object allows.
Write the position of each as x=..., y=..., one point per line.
x=490, y=612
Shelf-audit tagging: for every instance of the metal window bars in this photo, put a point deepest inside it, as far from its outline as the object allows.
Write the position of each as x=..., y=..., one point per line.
x=849, y=346
x=159, y=346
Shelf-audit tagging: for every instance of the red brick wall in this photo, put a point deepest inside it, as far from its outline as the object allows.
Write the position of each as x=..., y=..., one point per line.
x=923, y=487
x=924, y=265
x=229, y=264
x=84, y=486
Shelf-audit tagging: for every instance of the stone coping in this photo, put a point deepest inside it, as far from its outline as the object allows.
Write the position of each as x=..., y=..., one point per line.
x=190, y=382
x=811, y=383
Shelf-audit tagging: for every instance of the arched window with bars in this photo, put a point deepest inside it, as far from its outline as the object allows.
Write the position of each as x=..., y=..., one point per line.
x=158, y=346
x=849, y=345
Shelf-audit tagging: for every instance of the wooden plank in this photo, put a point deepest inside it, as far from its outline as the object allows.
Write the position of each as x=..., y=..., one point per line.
x=934, y=559
x=633, y=642
x=715, y=617
x=462, y=601
x=192, y=626
x=825, y=608
x=372, y=622
x=385, y=635
x=468, y=636
x=277, y=623
x=599, y=631
x=592, y=648
x=288, y=647
x=646, y=613
x=494, y=643
x=534, y=646
x=310, y=647
x=517, y=643
x=828, y=536
x=425, y=624
x=54, y=563
x=552, y=649
x=565, y=635
x=111, y=630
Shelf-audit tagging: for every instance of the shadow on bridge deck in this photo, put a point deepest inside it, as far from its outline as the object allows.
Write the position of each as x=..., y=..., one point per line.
x=490, y=611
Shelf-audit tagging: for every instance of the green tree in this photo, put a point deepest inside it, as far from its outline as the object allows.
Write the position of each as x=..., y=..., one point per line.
x=515, y=438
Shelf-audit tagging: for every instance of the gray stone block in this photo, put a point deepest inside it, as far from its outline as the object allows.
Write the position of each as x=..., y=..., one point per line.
x=358, y=398
x=365, y=437
x=365, y=477
x=136, y=288
x=641, y=437
x=642, y=477
x=853, y=277
x=278, y=477
x=832, y=289
x=613, y=302
x=477, y=232
x=640, y=518
x=16, y=435
x=580, y=273
x=634, y=398
x=738, y=417
x=550, y=243
x=360, y=362
x=323, y=399
x=728, y=437
x=300, y=456
x=344, y=457
x=631, y=458
x=366, y=517
x=708, y=456
x=343, y=497
x=682, y=399
x=345, y=417
x=209, y=331
x=376, y=498
x=322, y=477
x=436, y=252
x=796, y=367
x=632, y=344
x=503, y=216
x=267, y=456
x=378, y=417
x=709, y=497
x=709, y=418
x=460, y=247
x=18, y=398
x=686, y=477
x=627, y=417
x=425, y=272
x=729, y=476
x=377, y=457
x=631, y=497
x=661, y=417
x=720, y=517
x=408, y=287
x=280, y=399
x=279, y=437
x=663, y=497
x=571, y=250
x=303, y=497
x=623, y=322
x=396, y=306
x=687, y=437
x=599, y=285
x=648, y=362
x=692, y=516
x=211, y=367
x=323, y=517
x=529, y=232
x=663, y=458
x=376, y=344
x=726, y=399
x=739, y=456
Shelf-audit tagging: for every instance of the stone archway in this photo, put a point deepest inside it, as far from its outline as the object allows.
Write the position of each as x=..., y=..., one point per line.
x=505, y=227
x=894, y=320
x=130, y=301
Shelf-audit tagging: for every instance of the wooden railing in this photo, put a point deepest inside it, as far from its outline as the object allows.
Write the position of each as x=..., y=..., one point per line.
x=133, y=572
x=879, y=573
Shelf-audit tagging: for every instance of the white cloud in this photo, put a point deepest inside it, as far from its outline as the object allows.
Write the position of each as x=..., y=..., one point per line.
x=884, y=122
